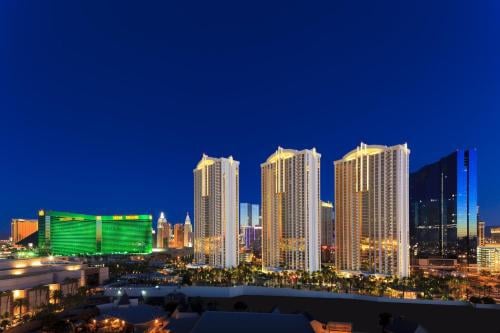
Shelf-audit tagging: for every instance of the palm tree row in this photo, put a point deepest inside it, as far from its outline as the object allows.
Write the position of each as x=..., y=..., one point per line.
x=328, y=279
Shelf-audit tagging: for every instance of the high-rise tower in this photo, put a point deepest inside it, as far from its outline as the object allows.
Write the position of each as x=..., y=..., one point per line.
x=162, y=231
x=216, y=205
x=371, y=210
x=290, y=187
x=444, y=207
x=188, y=232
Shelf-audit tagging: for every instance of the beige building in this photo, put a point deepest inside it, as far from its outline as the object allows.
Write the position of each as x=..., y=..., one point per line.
x=178, y=236
x=327, y=231
x=326, y=223
x=216, y=206
x=22, y=228
x=495, y=235
x=290, y=189
x=35, y=280
x=162, y=232
x=371, y=210
x=488, y=257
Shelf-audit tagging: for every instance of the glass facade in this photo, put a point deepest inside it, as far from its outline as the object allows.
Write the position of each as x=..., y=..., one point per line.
x=249, y=215
x=72, y=234
x=443, y=208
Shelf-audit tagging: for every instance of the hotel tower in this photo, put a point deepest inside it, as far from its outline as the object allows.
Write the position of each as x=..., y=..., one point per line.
x=162, y=232
x=188, y=232
x=371, y=210
x=216, y=205
x=290, y=185
x=444, y=209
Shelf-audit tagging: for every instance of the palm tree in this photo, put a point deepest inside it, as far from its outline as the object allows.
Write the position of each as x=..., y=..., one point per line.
x=406, y=283
x=56, y=296
x=20, y=303
x=382, y=287
x=82, y=291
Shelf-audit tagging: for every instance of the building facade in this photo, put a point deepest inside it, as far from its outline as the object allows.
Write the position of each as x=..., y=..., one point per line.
x=178, y=235
x=35, y=281
x=327, y=223
x=162, y=232
x=444, y=209
x=290, y=189
x=327, y=230
x=22, y=228
x=488, y=257
x=495, y=235
x=371, y=210
x=249, y=215
x=480, y=233
x=250, y=229
x=63, y=233
x=188, y=232
x=216, y=205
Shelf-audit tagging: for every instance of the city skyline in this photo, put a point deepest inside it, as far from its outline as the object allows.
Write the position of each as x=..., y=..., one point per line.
x=93, y=121
x=163, y=213
x=189, y=167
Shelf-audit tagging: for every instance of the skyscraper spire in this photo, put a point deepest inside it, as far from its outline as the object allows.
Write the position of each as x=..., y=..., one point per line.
x=188, y=232
x=162, y=231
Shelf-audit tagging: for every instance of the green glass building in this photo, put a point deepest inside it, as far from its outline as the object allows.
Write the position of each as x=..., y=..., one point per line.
x=64, y=233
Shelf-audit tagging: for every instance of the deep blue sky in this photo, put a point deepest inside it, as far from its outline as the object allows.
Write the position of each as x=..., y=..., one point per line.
x=106, y=106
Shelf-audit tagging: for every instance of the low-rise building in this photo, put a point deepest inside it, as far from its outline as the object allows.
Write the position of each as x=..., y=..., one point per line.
x=488, y=257
x=435, y=266
x=221, y=321
x=22, y=228
x=495, y=235
x=127, y=314
x=35, y=281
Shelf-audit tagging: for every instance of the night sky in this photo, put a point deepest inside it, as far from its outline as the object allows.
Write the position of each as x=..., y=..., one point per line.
x=107, y=106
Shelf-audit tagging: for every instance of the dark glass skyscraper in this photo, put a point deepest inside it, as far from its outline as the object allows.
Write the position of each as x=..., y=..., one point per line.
x=443, y=208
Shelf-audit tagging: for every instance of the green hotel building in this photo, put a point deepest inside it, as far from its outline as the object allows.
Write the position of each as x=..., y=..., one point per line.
x=62, y=233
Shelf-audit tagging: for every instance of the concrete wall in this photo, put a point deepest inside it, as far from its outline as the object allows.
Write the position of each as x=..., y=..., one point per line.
x=24, y=282
x=69, y=288
x=229, y=292
x=29, y=281
x=38, y=297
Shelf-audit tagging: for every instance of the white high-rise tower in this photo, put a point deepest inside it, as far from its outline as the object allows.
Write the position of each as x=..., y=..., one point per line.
x=216, y=206
x=291, y=210
x=188, y=232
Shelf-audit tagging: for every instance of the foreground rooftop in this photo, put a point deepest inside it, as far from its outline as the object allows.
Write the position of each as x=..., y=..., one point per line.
x=251, y=322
